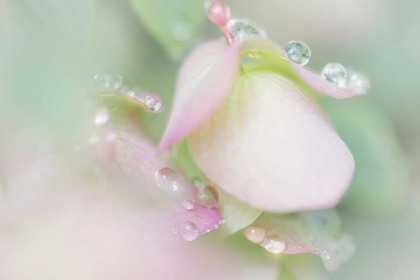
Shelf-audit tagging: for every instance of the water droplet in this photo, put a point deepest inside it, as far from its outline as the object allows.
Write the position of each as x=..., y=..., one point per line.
x=274, y=244
x=208, y=230
x=108, y=81
x=335, y=73
x=131, y=93
x=101, y=116
x=188, y=204
x=189, y=231
x=209, y=197
x=255, y=233
x=325, y=255
x=298, y=52
x=242, y=29
x=174, y=231
x=359, y=83
x=216, y=226
x=153, y=102
x=93, y=140
x=167, y=179
x=222, y=221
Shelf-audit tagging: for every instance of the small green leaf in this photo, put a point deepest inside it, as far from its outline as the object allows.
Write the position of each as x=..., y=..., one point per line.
x=174, y=24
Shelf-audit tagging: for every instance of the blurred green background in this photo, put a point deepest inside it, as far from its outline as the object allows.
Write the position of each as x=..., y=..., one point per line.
x=51, y=49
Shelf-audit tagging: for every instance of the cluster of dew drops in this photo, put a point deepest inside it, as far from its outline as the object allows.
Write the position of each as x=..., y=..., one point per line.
x=168, y=180
x=108, y=81
x=297, y=51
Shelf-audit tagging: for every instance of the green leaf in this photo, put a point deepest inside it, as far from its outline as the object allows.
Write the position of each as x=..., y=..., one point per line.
x=381, y=178
x=174, y=24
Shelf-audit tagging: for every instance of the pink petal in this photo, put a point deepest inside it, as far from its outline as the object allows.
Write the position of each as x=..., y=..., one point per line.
x=322, y=86
x=136, y=157
x=204, y=81
x=271, y=147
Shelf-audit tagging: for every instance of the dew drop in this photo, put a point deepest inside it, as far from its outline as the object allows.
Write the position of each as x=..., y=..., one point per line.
x=298, y=52
x=131, y=93
x=174, y=231
x=222, y=221
x=188, y=204
x=335, y=73
x=242, y=29
x=101, y=116
x=255, y=233
x=359, y=83
x=274, y=244
x=189, y=231
x=108, y=81
x=209, y=197
x=167, y=179
x=325, y=255
x=153, y=102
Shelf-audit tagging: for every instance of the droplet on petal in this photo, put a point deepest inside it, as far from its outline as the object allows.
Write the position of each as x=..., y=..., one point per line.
x=167, y=179
x=189, y=231
x=101, y=116
x=241, y=29
x=174, y=231
x=108, y=81
x=219, y=13
x=359, y=83
x=336, y=74
x=188, y=204
x=298, y=52
x=325, y=255
x=273, y=243
x=255, y=233
x=222, y=221
x=152, y=102
x=209, y=197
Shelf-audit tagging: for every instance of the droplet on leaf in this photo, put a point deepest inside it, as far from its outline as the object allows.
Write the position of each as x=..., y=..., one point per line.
x=152, y=102
x=359, y=83
x=336, y=74
x=241, y=29
x=255, y=233
x=273, y=243
x=298, y=52
x=108, y=81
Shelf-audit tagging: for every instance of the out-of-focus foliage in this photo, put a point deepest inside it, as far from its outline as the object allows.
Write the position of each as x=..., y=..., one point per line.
x=174, y=24
x=381, y=179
